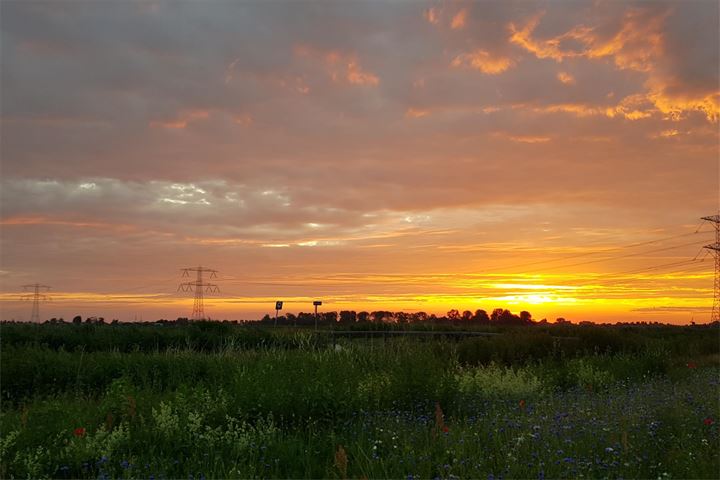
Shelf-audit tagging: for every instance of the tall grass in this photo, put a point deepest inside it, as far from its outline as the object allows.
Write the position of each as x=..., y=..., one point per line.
x=517, y=405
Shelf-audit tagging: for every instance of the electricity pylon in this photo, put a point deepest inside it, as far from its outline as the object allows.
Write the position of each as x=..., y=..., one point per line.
x=200, y=287
x=36, y=297
x=714, y=248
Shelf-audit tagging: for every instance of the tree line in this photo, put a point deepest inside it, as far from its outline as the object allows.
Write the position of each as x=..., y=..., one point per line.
x=498, y=316
x=454, y=317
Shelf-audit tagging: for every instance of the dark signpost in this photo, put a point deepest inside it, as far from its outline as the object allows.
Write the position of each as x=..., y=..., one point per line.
x=316, y=303
x=278, y=307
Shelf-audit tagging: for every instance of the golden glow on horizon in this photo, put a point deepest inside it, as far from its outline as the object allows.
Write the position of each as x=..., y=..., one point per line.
x=638, y=292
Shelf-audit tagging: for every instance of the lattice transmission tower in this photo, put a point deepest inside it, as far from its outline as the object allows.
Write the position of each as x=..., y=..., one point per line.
x=36, y=297
x=200, y=287
x=714, y=249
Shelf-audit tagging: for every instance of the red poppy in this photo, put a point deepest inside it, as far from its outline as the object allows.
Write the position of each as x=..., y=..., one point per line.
x=445, y=428
x=708, y=421
x=522, y=403
x=691, y=365
x=79, y=432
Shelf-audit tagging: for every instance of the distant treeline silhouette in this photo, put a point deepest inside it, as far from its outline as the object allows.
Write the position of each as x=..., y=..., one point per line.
x=376, y=320
x=454, y=317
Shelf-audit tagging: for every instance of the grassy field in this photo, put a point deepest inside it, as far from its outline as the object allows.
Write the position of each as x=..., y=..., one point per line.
x=224, y=401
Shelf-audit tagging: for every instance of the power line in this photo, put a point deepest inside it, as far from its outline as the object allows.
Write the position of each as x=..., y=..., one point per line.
x=685, y=267
x=36, y=297
x=714, y=249
x=200, y=287
x=596, y=252
x=687, y=262
x=523, y=265
x=615, y=257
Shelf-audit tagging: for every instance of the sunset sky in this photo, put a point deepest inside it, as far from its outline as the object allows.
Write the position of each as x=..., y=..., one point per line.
x=554, y=157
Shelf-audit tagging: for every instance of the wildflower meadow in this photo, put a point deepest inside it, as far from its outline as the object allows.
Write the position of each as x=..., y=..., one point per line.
x=204, y=401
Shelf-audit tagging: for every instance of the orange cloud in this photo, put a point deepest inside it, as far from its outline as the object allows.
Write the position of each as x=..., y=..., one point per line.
x=528, y=139
x=339, y=66
x=416, y=113
x=566, y=78
x=638, y=45
x=668, y=133
x=245, y=120
x=633, y=107
x=635, y=46
x=43, y=220
x=675, y=106
x=432, y=15
x=483, y=61
x=182, y=121
x=522, y=138
x=458, y=21
x=552, y=48
x=638, y=106
x=357, y=76
x=577, y=109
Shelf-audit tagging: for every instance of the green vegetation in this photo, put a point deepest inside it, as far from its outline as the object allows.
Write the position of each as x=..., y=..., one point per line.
x=221, y=400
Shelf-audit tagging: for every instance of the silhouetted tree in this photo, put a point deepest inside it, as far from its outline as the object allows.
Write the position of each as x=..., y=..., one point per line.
x=453, y=315
x=348, y=316
x=329, y=317
x=419, y=317
x=306, y=318
x=481, y=317
x=382, y=316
